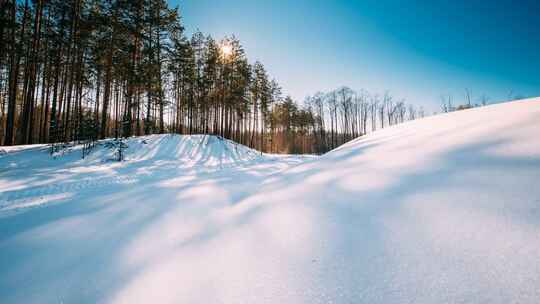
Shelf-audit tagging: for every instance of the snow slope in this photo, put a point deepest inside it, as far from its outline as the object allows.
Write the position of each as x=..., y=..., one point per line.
x=30, y=177
x=440, y=210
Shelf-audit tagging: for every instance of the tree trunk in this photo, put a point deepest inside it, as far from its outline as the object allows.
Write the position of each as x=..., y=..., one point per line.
x=14, y=73
x=28, y=108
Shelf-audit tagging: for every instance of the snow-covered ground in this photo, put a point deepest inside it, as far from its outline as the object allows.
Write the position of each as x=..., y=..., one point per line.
x=440, y=210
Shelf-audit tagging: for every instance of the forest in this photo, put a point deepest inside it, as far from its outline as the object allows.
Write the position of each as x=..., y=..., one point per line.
x=83, y=70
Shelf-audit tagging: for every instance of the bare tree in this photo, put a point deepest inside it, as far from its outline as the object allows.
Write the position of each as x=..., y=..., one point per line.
x=374, y=104
x=400, y=111
x=364, y=111
x=468, y=97
x=484, y=99
x=390, y=107
x=512, y=95
x=446, y=103
x=412, y=112
x=383, y=108
x=332, y=109
x=345, y=103
x=421, y=112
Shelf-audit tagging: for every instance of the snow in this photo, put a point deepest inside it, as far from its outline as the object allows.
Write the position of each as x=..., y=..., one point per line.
x=444, y=209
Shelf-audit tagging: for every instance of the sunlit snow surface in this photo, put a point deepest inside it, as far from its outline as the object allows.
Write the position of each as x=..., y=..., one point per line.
x=440, y=210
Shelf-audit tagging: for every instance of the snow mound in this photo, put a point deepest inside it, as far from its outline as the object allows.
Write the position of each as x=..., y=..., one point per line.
x=31, y=177
x=207, y=150
x=444, y=209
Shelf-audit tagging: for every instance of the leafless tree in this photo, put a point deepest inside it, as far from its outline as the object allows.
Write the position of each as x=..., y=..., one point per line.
x=512, y=95
x=374, y=105
x=364, y=111
x=332, y=109
x=468, y=97
x=446, y=103
x=484, y=99
x=345, y=103
x=390, y=107
x=412, y=112
x=400, y=110
x=421, y=112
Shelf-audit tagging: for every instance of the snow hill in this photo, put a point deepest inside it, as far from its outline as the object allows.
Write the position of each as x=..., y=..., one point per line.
x=444, y=209
x=32, y=177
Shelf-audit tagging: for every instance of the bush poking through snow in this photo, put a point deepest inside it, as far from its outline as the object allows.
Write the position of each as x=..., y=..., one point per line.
x=119, y=146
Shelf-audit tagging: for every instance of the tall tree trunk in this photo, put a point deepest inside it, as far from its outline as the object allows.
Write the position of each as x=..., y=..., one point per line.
x=14, y=72
x=98, y=92
x=107, y=84
x=28, y=109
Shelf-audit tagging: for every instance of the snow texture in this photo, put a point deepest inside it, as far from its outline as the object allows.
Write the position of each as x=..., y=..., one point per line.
x=444, y=209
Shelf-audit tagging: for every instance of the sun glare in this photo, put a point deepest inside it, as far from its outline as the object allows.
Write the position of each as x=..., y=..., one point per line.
x=226, y=50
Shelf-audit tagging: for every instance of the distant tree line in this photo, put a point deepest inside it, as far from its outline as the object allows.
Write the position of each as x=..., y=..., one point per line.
x=447, y=101
x=328, y=120
x=88, y=69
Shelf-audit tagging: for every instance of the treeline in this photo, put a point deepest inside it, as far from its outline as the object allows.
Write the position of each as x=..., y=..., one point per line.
x=328, y=120
x=81, y=70
x=87, y=68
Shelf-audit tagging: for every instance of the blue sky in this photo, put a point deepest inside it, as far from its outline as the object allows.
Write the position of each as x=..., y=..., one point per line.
x=416, y=49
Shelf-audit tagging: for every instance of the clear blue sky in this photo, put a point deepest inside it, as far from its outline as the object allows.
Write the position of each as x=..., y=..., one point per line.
x=416, y=49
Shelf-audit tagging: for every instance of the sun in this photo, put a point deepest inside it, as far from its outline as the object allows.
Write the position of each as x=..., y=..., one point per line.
x=226, y=50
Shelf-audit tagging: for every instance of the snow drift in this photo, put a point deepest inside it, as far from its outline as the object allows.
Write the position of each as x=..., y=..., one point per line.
x=439, y=210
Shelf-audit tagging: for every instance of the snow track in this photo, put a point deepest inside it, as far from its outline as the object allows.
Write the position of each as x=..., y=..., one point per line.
x=22, y=199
